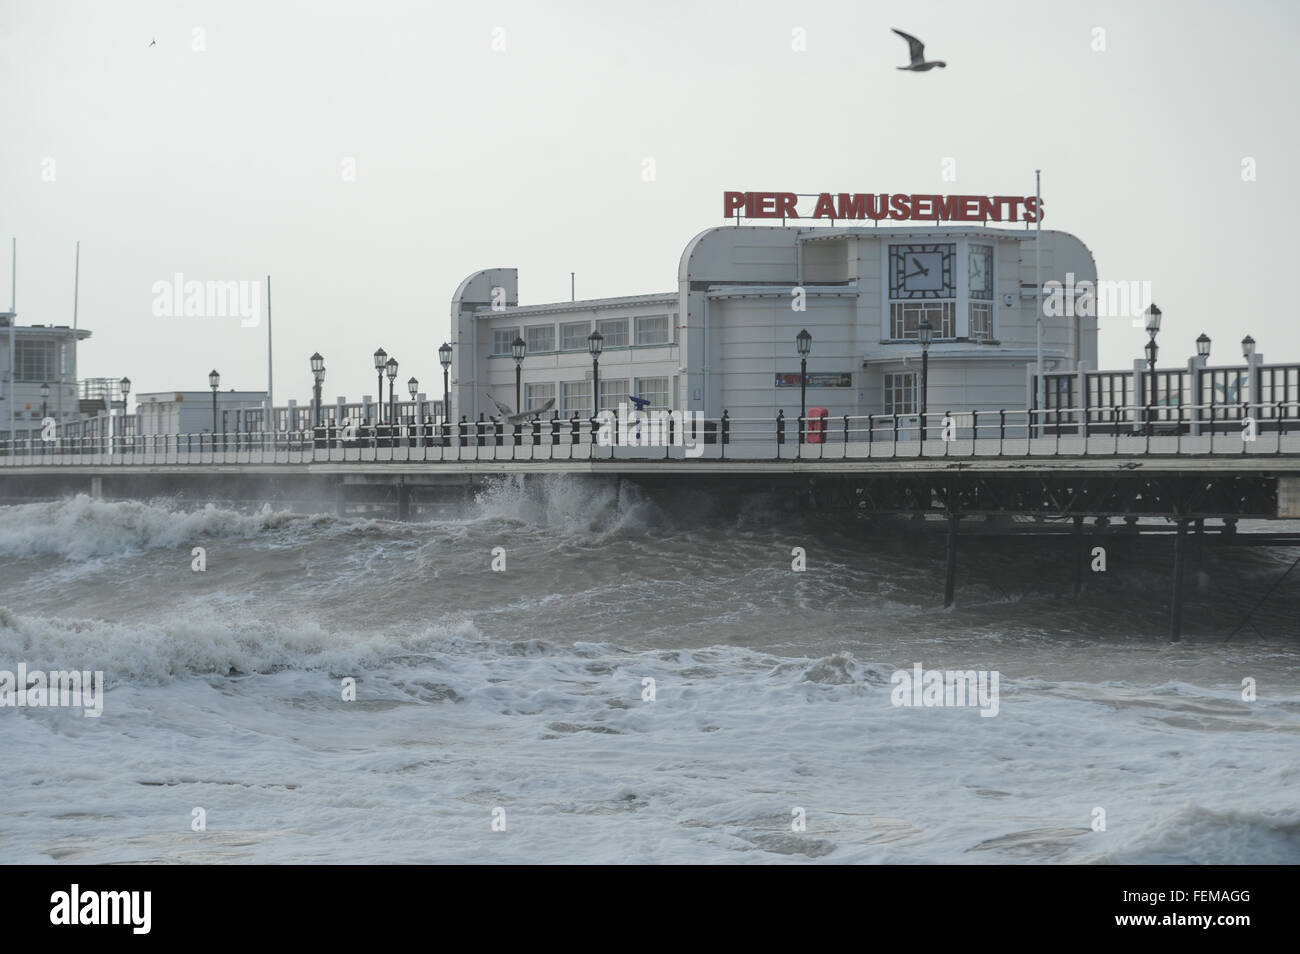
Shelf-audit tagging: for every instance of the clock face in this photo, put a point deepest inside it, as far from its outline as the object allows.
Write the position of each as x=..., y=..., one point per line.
x=921, y=271
x=980, y=271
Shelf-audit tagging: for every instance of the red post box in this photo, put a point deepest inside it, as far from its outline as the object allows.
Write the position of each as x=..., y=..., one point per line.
x=817, y=425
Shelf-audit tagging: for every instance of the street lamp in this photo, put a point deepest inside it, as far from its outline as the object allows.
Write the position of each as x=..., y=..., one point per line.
x=1151, y=349
x=803, y=342
x=595, y=344
x=214, y=382
x=380, y=357
x=924, y=334
x=45, y=396
x=413, y=386
x=1153, y=329
x=444, y=358
x=518, y=347
x=318, y=374
x=1203, y=345
x=391, y=368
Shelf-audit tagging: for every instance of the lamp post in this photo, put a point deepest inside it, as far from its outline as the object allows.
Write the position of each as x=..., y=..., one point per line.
x=1248, y=352
x=391, y=368
x=803, y=342
x=45, y=396
x=214, y=382
x=413, y=386
x=517, y=350
x=380, y=357
x=1202, y=359
x=924, y=334
x=318, y=375
x=1153, y=329
x=444, y=358
x=595, y=344
x=125, y=386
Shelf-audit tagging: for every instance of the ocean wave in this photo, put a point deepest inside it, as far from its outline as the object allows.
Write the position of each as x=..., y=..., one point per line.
x=204, y=644
x=81, y=528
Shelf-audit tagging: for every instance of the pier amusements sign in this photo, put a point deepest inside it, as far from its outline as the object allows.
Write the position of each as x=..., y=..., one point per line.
x=908, y=207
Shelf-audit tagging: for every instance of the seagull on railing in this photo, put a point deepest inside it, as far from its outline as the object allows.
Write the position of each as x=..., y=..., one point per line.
x=919, y=63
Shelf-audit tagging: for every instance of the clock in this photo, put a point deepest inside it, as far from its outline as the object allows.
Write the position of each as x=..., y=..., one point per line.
x=980, y=271
x=921, y=271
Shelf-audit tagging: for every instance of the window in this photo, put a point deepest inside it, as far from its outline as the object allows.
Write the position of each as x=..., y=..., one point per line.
x=502, y=339
x=540, y=338
x=981, y=320
x=614, y=331
x=573, y=336
x=37, y=361
x=575, y=396
x=536, y=395
x=905, y=317
x=612, y=394
x=652, y=331
x=900, y=393
x=655, y=390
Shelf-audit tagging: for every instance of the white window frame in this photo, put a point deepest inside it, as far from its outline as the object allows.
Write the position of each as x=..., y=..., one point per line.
x=667, y=331
x=611, y=340
x=513, y=333
x=661, y=389
x=567, y=405
x=538, y=393
x=529, y=329
x=570, y=325
x=904, y=384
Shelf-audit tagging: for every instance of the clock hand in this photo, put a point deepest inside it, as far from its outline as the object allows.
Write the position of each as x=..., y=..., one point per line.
x=923, y=269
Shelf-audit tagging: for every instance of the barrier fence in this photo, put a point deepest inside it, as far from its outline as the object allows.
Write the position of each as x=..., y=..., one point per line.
x=1196, y=430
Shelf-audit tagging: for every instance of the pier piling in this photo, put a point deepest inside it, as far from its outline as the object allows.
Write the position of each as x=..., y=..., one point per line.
x=1080, y=551
x=950, y=573
x=1176, y=605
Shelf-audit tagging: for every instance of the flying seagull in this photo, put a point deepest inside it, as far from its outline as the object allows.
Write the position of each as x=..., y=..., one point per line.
x=919, y=63
x=512, y=418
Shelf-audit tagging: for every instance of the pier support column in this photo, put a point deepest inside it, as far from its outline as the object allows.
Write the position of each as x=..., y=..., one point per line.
x=1176, y=605
x=950, y=572
x=1080, y=549
x=341, y=499
x=97, y=488
x=403, y=501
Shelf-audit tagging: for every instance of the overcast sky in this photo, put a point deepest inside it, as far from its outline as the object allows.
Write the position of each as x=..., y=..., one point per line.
x=228, y=163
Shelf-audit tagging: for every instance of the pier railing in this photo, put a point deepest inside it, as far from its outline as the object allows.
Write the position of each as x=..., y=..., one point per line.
x=1193, y=431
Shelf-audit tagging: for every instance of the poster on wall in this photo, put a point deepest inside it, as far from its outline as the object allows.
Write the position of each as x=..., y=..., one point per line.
x=820, y=379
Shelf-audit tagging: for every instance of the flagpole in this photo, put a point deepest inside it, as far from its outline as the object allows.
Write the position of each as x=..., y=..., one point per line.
x=1039, y=392
x=10, y=396
x=270, y=395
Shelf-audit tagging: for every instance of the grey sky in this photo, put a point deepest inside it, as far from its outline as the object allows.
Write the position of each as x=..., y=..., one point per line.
x=226, y=164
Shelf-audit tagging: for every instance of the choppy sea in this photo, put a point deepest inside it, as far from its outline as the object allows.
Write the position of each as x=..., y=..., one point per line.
x=646, y=679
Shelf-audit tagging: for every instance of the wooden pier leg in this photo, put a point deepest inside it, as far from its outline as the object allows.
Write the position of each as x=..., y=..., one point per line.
x=1079, y=555
x=341, y=499
x=97, y=488
x=403, y=501
x=1176, y=606
x=950, y=574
